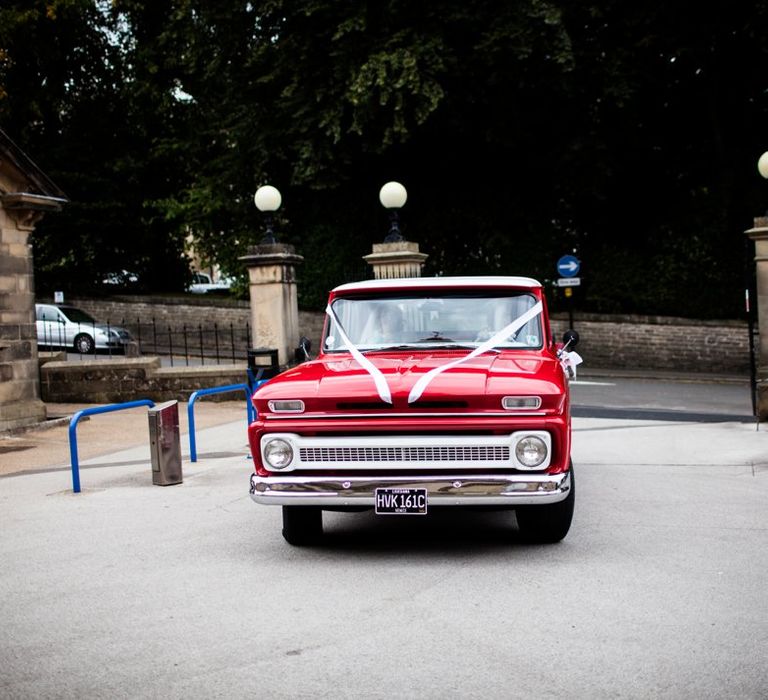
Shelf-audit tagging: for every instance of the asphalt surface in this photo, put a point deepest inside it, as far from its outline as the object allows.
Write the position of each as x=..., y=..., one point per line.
x=615, y=394
x=129, y=590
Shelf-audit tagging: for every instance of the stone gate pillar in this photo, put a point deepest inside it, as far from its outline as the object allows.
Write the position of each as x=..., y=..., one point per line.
x=25, y=195
x=759, y=234
x=274, y=300
x=397, y=259
x=20, y=402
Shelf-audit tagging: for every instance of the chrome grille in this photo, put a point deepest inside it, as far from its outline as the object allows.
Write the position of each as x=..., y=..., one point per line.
x=464, y=453
x=406, y=452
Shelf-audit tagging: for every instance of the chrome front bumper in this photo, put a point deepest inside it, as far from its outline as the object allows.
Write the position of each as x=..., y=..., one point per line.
x=490, y=490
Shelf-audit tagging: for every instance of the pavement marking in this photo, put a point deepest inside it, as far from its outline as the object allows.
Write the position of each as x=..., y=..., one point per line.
x=581, y=382
x=656, y=414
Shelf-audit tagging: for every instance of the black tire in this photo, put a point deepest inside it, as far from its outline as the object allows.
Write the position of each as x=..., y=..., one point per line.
x=84, y=344
x=549, y=523
x=302, y=525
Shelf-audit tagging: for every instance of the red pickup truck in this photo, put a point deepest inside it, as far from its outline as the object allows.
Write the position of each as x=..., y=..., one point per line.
x=426, y=392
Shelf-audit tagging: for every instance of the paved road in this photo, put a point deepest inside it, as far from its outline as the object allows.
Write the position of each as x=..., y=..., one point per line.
x=612, y=396
x=129, y=590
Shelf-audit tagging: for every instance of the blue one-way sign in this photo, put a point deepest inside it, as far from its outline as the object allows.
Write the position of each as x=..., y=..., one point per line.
x=568, y=266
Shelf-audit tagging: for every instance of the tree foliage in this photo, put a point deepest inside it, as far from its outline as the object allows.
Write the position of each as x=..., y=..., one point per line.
x=522, y=130
x=81, y=97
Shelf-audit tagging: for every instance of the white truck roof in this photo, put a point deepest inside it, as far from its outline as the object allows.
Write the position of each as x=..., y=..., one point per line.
x=438, y=282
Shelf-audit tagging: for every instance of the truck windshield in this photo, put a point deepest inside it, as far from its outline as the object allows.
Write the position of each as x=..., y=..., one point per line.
x=436, y=321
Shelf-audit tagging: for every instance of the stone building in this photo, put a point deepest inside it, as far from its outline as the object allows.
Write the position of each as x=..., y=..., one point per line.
x=26, y=194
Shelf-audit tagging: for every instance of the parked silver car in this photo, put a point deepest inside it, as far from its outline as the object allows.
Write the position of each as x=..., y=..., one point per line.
x=69, y=327
x=202, y=283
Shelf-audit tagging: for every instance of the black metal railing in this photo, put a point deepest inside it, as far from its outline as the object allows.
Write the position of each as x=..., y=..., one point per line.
x=180, y=344
x=192, y=344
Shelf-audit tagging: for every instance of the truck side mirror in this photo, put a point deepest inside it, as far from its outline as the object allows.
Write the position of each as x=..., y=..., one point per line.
x=301, y=353
x=570, y=339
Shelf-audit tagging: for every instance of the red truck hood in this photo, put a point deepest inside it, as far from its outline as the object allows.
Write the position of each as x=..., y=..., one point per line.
x=332, y=384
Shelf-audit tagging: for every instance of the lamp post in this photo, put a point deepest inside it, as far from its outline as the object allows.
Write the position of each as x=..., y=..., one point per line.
x=272, y=286
x=392, y=197
x=268, y=200
x=395, y=257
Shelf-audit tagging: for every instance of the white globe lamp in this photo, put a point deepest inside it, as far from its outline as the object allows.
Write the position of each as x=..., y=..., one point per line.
x=268, y=200
x=392, y=197
x=762, y=165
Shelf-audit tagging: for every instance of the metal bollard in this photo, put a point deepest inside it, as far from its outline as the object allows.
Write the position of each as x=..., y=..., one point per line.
x=165, y=444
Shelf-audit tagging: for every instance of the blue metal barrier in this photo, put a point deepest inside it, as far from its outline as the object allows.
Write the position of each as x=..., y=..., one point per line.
x=89, y=412
x=250, y=410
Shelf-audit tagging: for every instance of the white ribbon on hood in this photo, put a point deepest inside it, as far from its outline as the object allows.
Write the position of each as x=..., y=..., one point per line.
x=418, y=388
x=381, y=383
x=502, y=335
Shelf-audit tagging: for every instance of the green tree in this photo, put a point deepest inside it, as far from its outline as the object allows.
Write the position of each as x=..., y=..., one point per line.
x=522, y=130
x=82, y=108
x=329, y=100
x=668, y=105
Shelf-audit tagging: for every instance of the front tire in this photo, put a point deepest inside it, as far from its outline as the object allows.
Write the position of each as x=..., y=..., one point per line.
x=546, y=524
x=302, y=525
x=84, y=344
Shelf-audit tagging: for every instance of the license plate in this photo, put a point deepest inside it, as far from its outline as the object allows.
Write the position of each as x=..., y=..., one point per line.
x=401, y=501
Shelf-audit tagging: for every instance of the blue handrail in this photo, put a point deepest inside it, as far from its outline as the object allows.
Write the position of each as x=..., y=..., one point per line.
x=250, y=410
x=89, y=412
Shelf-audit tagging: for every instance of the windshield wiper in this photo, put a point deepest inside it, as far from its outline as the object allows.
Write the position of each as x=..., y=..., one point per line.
x=436, y=338
x=426, y=344
x=450, y=345
x=365, y=351
x=420, y=345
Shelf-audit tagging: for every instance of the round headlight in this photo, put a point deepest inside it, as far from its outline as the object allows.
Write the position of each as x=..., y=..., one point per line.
x=531, y=451
x=278, y=453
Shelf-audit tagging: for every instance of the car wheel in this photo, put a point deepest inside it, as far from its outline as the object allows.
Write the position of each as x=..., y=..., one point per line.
x=302, y=525
x=548, y=523
x=84, y=344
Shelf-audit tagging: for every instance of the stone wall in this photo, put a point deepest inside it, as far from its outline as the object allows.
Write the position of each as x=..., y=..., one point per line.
x=116, y=381
x=660, y=343
x=189, y=311
x=607, y=341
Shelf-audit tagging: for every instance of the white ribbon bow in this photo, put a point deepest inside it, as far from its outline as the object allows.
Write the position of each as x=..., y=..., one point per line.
x=381, y=383
x=418, y=388
x=503, y=334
